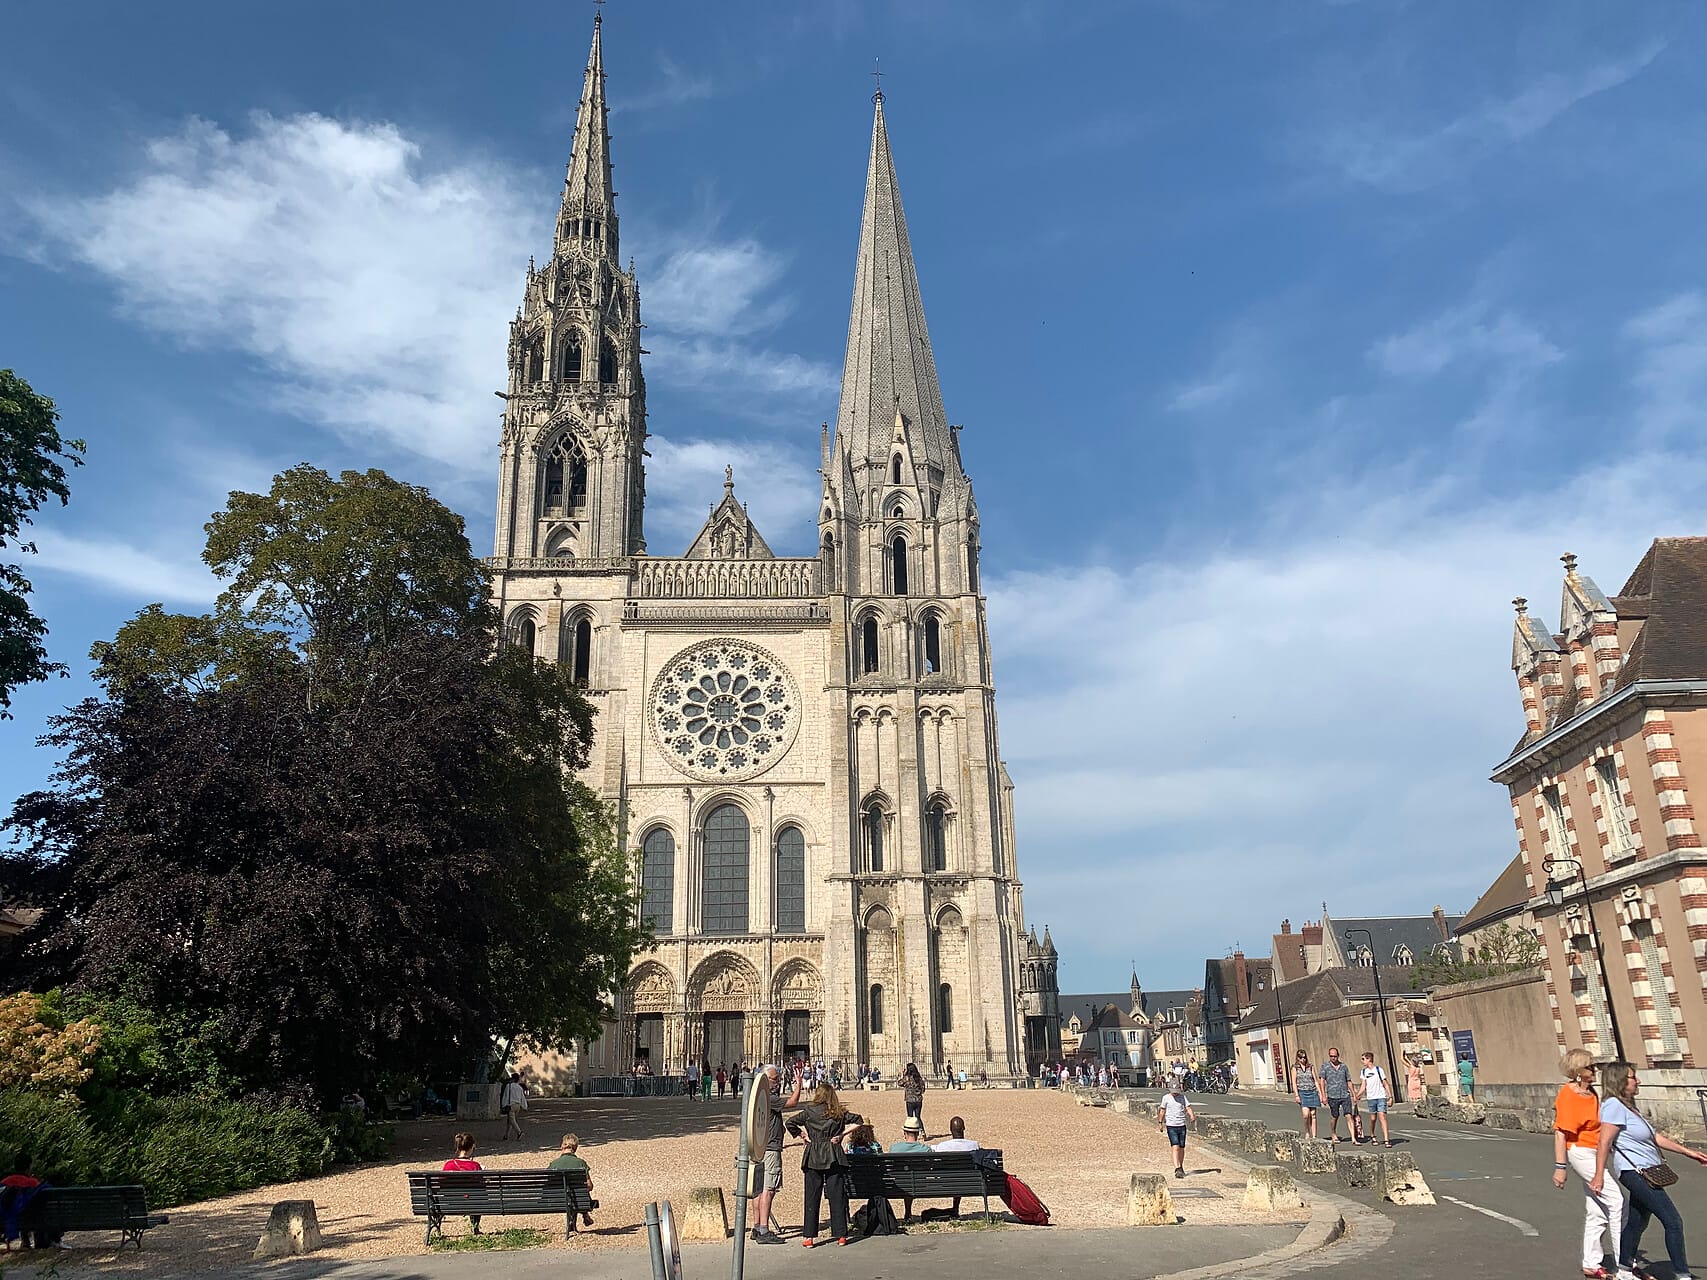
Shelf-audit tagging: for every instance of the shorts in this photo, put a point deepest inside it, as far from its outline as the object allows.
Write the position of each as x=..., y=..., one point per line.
x=1338, y=1107
x=773, y=1171
x=1176, y=1135
x=1376, y=1105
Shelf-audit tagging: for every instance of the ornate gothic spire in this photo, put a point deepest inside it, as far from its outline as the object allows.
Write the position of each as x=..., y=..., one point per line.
x=589, y=204
x=889, y=365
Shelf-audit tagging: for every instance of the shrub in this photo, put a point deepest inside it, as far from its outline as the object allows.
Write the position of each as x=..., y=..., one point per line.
x=39, y=1049
x=200, y=1148
x=355, y=1139
x=64, y=1141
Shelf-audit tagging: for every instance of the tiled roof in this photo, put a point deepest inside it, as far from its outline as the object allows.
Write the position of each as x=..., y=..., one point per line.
x=1508, y=893
x=1669, y=586
x=1319, y=993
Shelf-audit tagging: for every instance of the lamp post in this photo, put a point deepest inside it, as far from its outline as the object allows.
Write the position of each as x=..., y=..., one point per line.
x=1556, y=898
x=1381, y=1003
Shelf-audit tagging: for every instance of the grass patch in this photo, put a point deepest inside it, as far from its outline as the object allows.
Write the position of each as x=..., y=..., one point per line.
x=509, y=1238
x=977, y=1223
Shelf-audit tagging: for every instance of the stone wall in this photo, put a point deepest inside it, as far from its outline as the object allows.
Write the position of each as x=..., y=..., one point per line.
x=1513, y=1026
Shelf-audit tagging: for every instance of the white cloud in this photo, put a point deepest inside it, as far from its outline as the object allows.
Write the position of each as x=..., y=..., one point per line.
x=374, y=279
x=1672, y=342
x=1464, y=334
x=1379, y=153
x=684, y=480
x=129, y=572
x=675, y=87
x=1210, y=391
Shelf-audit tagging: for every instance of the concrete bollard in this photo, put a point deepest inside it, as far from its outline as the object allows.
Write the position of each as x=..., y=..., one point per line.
x=1249, y=1136
x=1283, y=1149
x=1315, y=1155
x=293, y=1229
x=1149, y=1203
x=1214, y=1129
x=1357, y=1168
x=1400, y=1180
x=1269, y=1187
x=1127, y=1106
x=704, y=1218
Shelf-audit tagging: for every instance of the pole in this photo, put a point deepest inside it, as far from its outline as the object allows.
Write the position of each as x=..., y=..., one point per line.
x=655, y=1238
x=1283, y=1068
x=1386, y=1035
x=743, y=1172
x=1600, y=960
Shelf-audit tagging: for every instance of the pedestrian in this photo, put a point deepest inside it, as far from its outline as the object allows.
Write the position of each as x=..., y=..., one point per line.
x=1336, y=1090
x=768, y=1077
x=513, y=1100
x=705, y=1081
x=1467, y=1079
x=1175, y=1114
x=722, y=1079
x=1305, y=1091
x=913, y=1093
x=1576, y=1147
x=823, y=1166
x=1372, y=1088
x=690, y=1080
x=1413, y=1077
x=570, y=1162
x=1631, y=1147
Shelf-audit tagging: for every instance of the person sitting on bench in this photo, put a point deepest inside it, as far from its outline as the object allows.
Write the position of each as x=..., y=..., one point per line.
x=956, y=1141
x=465, y=1163
x=574, y=1164
x=912, y=1139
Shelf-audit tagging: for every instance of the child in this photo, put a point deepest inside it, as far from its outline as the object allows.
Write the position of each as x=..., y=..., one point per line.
x=574, y=1164
x=465, y=1163
x=1176, y=1113
x=862, y=1141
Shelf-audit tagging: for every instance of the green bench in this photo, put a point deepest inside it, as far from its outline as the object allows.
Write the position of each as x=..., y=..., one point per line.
x=437, y=1194
x=55, y=1210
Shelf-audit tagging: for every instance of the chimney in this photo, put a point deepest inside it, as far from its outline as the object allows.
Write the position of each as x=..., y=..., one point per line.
x=1286, y=926
x=1312, y=935
x=1241, y=991
x=1440, y=923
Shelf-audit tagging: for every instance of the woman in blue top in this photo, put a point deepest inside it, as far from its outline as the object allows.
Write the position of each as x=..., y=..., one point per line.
x=1629, y=1144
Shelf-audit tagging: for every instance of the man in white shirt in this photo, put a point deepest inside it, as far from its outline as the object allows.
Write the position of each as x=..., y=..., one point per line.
x=1176, y=1114
x=1372, y=1088
x=956, y=1141
x=514, y=1100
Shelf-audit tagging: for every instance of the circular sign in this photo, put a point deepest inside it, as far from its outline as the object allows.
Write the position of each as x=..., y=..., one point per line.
x=723, y=710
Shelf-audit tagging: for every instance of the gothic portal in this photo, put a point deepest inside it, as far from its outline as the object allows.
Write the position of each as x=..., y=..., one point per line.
x=801, y=751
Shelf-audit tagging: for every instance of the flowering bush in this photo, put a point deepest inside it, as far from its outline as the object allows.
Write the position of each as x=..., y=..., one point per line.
x=42, y=1051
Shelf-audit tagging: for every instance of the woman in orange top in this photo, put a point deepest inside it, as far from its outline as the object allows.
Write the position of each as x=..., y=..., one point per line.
x=1576, y=1147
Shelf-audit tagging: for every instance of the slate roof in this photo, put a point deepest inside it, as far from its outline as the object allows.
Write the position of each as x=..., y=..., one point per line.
x=1319, y=993
x=1076, y=1004
x=1419, y=933
x=1157, y=1003
x=1506, y=896
x=1668, y=588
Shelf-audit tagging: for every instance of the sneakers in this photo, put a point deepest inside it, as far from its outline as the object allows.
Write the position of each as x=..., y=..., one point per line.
x=1178, y=1172
x=765, y=1237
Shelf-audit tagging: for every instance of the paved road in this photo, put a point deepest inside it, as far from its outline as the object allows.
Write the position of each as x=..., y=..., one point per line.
x=1500, y=1188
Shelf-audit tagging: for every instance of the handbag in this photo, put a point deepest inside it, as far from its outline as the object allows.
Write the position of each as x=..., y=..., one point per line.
x=1657, y=1175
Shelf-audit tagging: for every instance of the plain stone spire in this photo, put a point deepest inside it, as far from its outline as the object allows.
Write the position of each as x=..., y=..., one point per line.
x=889, y=365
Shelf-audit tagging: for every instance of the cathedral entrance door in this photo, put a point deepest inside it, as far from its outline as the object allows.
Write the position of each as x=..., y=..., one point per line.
x=723, y=1039
x=797, y=1034
x=649, y=1040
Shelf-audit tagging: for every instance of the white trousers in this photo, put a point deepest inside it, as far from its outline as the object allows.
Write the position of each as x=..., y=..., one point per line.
x=1602, y=1213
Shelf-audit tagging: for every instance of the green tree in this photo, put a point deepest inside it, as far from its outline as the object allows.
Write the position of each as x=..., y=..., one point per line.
x=337, y=830
x=33, y=458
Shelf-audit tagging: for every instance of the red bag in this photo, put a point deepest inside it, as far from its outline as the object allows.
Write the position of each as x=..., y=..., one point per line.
x=1023, y=1203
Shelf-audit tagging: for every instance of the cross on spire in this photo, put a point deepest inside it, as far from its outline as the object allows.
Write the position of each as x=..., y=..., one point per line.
x=876, y=74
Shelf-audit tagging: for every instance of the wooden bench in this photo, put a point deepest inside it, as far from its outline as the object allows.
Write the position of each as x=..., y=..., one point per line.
x=436, y=1195
x=929, y=1175
x=53, y=1211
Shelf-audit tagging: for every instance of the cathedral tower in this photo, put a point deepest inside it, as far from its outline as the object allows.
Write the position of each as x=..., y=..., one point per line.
x=801, y=751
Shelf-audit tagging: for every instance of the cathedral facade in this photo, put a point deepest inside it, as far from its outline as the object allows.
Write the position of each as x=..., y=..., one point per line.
x=801, y=751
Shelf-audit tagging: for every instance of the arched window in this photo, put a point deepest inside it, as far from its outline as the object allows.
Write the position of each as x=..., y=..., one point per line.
x=570, y=368
x=933, y=644
x=790, y=881
x=658, y=880
x=972, y=565
x=727, y=839
x=868, y=646
x=536, y=362
x=607, y=359
x=895, y=469
x=945, y=1008
x=565, y=478
x=936, y=838
x=898, y=561
x=899, y=511
x=872, y=822
x=876, y=1009
x=522, y=630
x=827, y=563
x=583, y=633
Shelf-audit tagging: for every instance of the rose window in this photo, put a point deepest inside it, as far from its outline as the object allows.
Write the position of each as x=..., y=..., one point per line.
x=724, y=709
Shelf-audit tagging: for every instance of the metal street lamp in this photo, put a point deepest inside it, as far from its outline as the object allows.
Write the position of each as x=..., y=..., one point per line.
x=1386, y=1031
x=1556, y=887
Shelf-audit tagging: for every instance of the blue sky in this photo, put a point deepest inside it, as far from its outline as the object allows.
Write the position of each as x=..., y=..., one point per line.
x=1291, y=341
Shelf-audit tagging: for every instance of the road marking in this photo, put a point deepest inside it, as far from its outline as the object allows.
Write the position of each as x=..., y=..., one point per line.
x=1519, y=1223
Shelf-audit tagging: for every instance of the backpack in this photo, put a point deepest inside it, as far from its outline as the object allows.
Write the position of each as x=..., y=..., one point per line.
x=1023, y=1203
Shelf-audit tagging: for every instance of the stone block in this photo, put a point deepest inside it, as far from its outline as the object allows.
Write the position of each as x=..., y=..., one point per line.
x=1149, y=1203
x=1357, y=1168
x=1315, y=1155
x=293, y=1228
x=1400, y=1180
x=1269, y=1187
x=1504, y=1120
x=1214, y=1128
x=1283, y=1148
x=1536, y=1119
x=1472, y=1113
x=1127, y=1106
x=1249, y=1136
x=704, y=1218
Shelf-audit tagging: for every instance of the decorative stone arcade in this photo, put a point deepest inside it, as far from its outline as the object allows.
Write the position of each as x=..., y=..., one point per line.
x=723, y=1018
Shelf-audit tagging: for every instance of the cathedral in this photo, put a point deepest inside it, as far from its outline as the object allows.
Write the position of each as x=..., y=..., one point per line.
x=801, y=752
